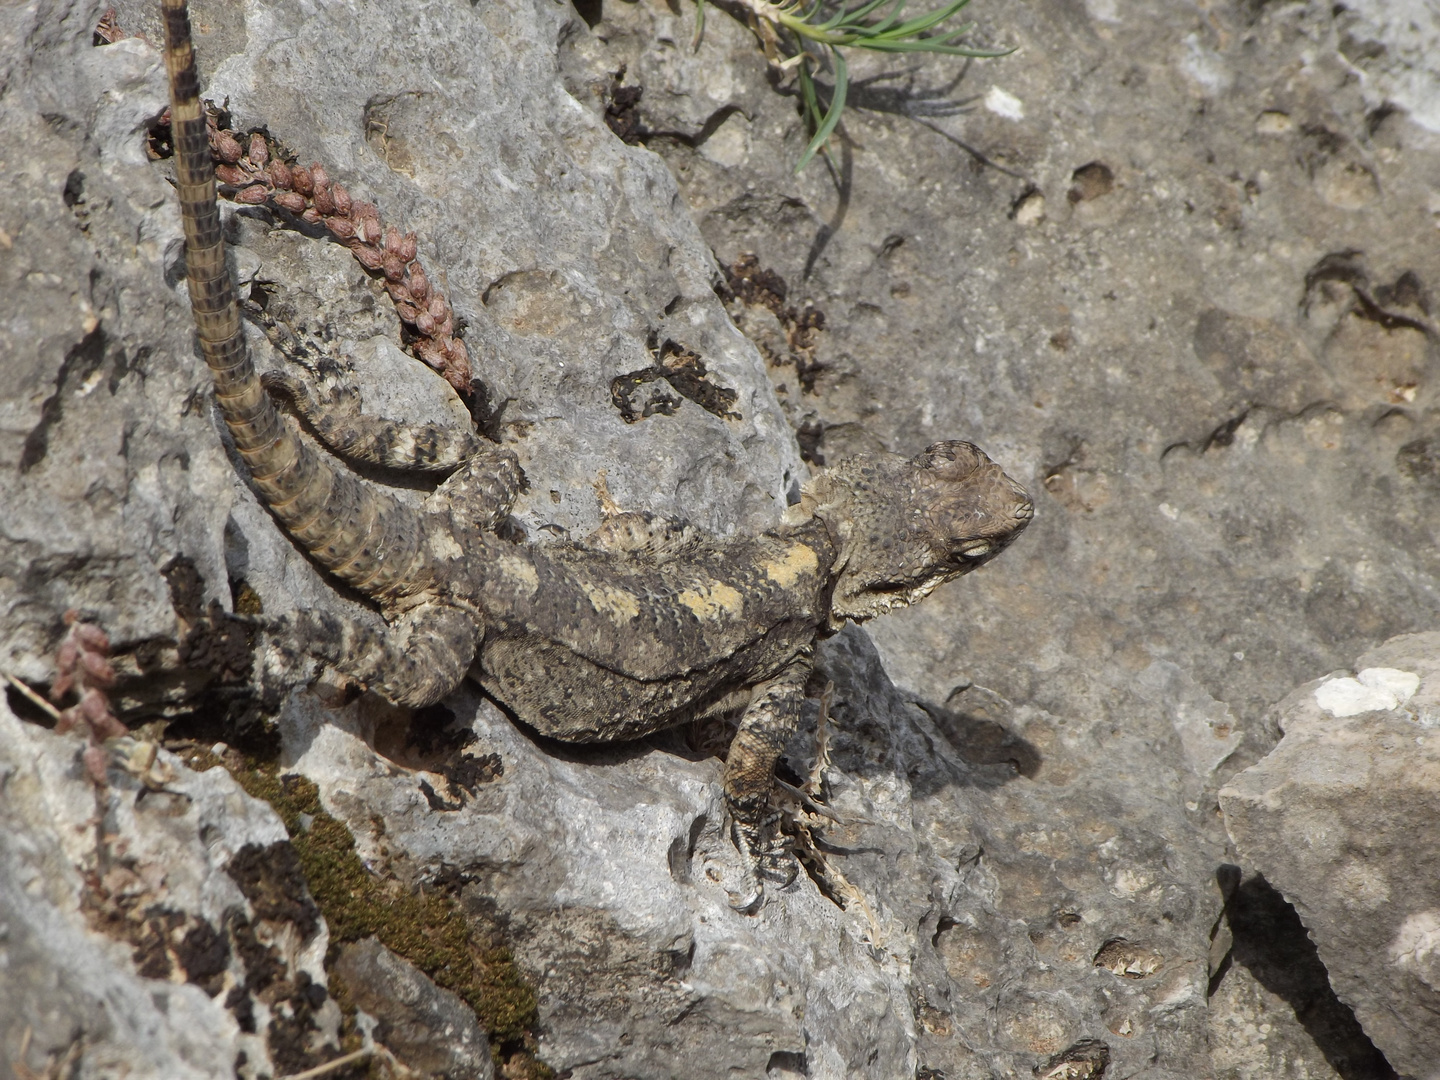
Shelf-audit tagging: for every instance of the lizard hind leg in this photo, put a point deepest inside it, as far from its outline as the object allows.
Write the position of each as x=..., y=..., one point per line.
x=335, y=415
x=769, y=721
x=481, y=492
x=419, y=658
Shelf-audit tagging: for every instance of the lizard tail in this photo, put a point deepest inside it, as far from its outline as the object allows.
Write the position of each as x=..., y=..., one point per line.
x=362, y=536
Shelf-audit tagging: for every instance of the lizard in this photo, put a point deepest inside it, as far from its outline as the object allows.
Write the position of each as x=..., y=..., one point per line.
x=647, y=623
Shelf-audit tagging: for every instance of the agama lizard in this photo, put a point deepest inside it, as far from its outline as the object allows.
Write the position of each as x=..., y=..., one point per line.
x=647, y=623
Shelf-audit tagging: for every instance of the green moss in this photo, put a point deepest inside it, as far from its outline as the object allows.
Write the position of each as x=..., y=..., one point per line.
x=428, y=929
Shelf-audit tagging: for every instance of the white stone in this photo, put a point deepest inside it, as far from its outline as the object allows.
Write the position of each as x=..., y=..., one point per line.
x=1350, y=697
x=1004, y=104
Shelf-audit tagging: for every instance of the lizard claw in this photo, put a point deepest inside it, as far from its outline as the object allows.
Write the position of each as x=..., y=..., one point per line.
x=763, y=855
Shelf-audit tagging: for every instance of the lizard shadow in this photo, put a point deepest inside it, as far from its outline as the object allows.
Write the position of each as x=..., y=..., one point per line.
x=873, y=727
x=597, y=753
x=877, y=729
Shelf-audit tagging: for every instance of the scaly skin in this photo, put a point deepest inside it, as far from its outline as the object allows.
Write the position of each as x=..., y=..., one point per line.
x=647, y=623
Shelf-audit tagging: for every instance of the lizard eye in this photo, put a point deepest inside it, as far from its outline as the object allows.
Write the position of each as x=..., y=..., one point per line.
x=974, y=549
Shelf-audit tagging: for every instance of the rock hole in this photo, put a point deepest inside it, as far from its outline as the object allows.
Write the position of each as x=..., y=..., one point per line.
x=944, y=923
x=74, y=192
x=592, y=11
x=1091, y=182
x=787, y=1065
x=1127, y=959
x=1085, y=1060
x=1224, y=435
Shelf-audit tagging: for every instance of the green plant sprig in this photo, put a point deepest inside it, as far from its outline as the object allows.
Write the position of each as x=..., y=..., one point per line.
x=874, y=25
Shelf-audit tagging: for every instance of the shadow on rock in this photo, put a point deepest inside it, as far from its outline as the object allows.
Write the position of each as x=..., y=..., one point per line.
x=1271, y=942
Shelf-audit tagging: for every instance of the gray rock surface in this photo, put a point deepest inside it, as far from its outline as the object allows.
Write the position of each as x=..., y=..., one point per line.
x=431, y=1030
x=1190, y=308
x=1131, y=257
x=1336, y=819
x=115, y=914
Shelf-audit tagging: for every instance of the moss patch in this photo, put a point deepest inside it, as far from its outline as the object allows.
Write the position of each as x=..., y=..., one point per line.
x=428, y=929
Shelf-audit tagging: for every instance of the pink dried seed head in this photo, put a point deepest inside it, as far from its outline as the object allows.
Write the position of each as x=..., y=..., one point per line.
x=323, y=202
x=407, y=312
x=319, y=175
x=424, y=323
x=108, y=726
x=438, y=311
x=280, y=175
x=431, y=353
x=302, y=181
x=392, y=239
x=254, y=195
x=98, y=671
x=67, y=720
x=259, y=152
x=290, y=200
x=67, y=655
x=407, y=247
x=61, y=686
x=459, y=355
x=230, y=174
x=394, y=269
x=92, y=637
x=458, y=374
x=373, y=231
x=344, y=228
x=359, y=208
x=341, y=197
x=419, y=283
x=93, y=705
x=97, y=764
x=227, y=147
x=311, y=216
x=367, y=256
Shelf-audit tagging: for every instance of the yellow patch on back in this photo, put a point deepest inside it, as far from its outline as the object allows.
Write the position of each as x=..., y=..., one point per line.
x=798, y=561
x=620, y=605
x=713, y=600
x=444, y=546
x=517, y=569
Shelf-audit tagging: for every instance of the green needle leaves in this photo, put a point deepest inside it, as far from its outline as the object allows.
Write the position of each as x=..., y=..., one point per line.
x=801, y=34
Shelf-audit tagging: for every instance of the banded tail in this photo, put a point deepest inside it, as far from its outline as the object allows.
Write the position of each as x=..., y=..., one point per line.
x=364, y=537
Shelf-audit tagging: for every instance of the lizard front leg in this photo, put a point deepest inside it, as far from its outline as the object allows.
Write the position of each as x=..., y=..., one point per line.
x=419, y=658
x=769, y=721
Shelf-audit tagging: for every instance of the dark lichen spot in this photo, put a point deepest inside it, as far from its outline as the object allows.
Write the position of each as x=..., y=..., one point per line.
x=684, y=371
x=273, y=882
x=429, y=929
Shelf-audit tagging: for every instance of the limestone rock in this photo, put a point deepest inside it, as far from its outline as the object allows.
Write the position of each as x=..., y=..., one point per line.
x=1335, y=818
x=1172, y=267
x=133, y=931
x=431, y=1030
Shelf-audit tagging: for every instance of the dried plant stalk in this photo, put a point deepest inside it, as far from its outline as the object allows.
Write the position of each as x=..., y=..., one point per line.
x=252, y=171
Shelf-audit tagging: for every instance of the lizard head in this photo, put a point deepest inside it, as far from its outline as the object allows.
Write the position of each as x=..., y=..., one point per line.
x=903, y=526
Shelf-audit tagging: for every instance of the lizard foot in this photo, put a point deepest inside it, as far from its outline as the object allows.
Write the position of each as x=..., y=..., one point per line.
x=765, y=856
